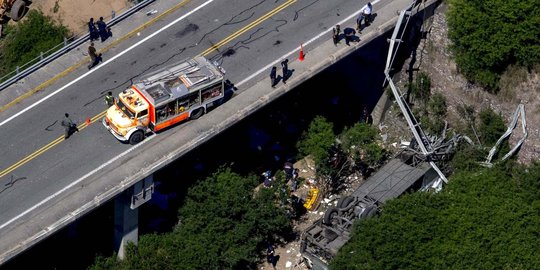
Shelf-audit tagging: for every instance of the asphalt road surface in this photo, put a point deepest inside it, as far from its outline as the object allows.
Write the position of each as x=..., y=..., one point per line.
x=244, y=36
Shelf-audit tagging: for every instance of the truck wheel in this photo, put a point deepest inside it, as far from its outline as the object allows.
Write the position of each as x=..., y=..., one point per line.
x=136, y=137
x=329, y=215
x=369, y=212
x=197, y=113
x=344, y=202
x=17, y=10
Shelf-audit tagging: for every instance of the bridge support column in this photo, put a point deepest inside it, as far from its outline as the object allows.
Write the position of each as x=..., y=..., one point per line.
x=126, y=214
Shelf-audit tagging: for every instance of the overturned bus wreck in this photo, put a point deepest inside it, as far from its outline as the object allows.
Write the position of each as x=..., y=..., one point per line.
x=322, y=240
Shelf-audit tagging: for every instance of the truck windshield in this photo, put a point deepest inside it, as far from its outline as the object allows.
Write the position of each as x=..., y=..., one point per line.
x=125, y=110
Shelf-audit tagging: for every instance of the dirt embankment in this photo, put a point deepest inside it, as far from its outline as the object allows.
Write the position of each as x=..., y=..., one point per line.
x=74, y=14
x=517, y=86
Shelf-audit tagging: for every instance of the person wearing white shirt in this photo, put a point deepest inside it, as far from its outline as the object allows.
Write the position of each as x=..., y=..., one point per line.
x=365, y=16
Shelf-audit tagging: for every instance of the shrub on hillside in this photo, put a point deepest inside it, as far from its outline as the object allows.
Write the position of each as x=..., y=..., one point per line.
x=359, y=142
x=318, y=140
x=491, y=127
x=488, y=36
x=28, y=38
x=421, y=88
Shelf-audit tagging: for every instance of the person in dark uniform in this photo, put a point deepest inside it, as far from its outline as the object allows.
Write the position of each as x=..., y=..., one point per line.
x=69, y=126
x=94, y=34
x=285, y=69
x=102, y=28
x=288, y=168
x=273, y=76
x=270, y=256
x=335, y=34
x=349, y=34
x=109, y=99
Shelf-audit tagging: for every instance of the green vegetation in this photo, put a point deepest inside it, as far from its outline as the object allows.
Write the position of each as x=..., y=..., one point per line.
x=484, y=129
x=430, y=108
x=491, y=127
x=489, y=36
x=355, y=150
x=421, y=88
x=359, y=143
x=436, y=109
x=27, y=39
x=317, y=140
x=224, y=224
x=467, y=158
x=483, y=219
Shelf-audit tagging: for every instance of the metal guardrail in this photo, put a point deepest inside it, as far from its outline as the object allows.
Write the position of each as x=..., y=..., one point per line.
x=520, y=111
x=414, y=125
x=62, y=48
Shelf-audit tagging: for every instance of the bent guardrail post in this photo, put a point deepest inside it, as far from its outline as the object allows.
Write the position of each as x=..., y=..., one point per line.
x=520, y=111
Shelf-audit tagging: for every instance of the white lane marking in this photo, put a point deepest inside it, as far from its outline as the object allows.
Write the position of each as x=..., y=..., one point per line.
x=77, y=181
x=106, y=62
x=267, y=67
x=149, y=138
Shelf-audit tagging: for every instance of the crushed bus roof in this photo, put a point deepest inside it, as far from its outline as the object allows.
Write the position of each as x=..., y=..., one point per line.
x=178, y=80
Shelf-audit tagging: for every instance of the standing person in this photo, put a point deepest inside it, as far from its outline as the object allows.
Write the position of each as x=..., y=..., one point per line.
x=267, y=179
x=109, y=99
x=335, y=34
x=367, y=13
x=69, y=126
x=285, y=69
x=273, y=76
x=365, y=16
x=294, y=180
x=93, y=30
x=270, y=256
x=102, y=27
x=288, y=168
x=95, y=58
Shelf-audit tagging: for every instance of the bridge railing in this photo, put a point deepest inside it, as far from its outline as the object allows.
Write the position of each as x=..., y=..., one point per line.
x=414, y=125
x=67, y=45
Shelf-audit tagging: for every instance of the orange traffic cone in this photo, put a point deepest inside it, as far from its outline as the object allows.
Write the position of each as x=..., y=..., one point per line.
x=88, y=122
x=301, y=57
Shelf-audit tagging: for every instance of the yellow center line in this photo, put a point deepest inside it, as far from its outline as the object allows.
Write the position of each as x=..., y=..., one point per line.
x=248, y=27
x=46, y=147
x=101, y=114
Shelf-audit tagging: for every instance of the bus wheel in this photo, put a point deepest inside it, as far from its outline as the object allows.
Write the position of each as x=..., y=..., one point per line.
x=197, y=113
x=329, y=215
x=136, y=137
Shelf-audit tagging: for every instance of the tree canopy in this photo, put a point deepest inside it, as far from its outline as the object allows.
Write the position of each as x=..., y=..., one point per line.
x=224, y=224
x=317, y=140
x=484, y=219
x=488, y=36
x=360, y=143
